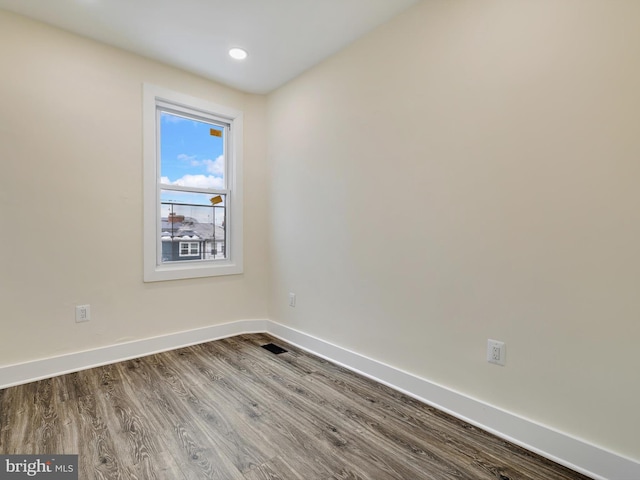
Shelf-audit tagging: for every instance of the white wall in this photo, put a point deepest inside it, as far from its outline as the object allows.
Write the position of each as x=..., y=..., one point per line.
x=470, y=171
x=467, y=171
x=71, y=199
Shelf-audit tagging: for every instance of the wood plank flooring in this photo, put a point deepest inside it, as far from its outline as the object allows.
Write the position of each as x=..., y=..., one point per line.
x=232, y=410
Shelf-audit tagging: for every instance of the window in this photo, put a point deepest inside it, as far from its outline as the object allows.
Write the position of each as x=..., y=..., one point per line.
x=189, y=249
x=192, y=187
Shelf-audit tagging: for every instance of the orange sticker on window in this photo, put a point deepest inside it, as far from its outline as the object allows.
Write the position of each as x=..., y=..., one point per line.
x=215, y=133
x=215, y=200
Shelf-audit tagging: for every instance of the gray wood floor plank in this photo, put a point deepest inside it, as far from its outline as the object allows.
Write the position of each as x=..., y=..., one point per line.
x=348, y=384
x=283, y=427
x=402, y=445
x=234, y=435
x=232, y=410
x=414, y=437
x=132, y=444
x=97, y=457
x=192, y=448
x=276, y=469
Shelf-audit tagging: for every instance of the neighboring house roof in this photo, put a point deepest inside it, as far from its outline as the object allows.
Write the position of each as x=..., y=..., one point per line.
x=189, y=229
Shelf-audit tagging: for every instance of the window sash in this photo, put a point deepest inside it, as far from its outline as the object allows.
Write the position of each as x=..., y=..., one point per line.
x=192, y=114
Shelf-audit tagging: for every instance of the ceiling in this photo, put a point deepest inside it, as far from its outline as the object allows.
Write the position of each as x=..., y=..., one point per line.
x=283, y=37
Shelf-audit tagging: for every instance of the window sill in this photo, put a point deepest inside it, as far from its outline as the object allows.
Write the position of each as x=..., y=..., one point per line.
x=186, y=269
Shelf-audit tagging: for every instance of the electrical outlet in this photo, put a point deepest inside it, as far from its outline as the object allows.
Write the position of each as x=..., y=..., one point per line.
x=496, y=352
x=292, y=299
x=83, y=313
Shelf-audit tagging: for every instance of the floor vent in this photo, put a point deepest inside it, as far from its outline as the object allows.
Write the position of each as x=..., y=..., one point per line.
x=273, y=348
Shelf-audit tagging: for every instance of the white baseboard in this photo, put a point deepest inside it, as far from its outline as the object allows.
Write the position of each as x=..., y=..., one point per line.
x=18, y=374
x=564, y=449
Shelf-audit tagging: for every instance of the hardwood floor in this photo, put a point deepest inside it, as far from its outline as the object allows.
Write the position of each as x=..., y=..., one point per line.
x=232, y=410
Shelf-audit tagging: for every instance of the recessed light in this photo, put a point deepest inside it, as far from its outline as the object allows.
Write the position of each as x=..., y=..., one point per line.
x=238, y=53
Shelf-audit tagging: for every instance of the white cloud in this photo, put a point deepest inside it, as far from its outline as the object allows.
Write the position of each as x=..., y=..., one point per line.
x=213, y=167
x=196, y=181
x=183, y=157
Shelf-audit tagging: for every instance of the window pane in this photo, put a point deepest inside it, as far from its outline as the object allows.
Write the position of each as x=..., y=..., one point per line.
x=192, y=226
x=191, y=152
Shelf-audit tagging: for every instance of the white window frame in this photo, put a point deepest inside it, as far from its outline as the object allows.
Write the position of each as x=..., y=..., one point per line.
x=154, y=269
x=191, y=252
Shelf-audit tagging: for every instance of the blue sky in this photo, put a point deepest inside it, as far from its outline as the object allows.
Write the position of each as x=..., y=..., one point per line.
x=190, y=155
